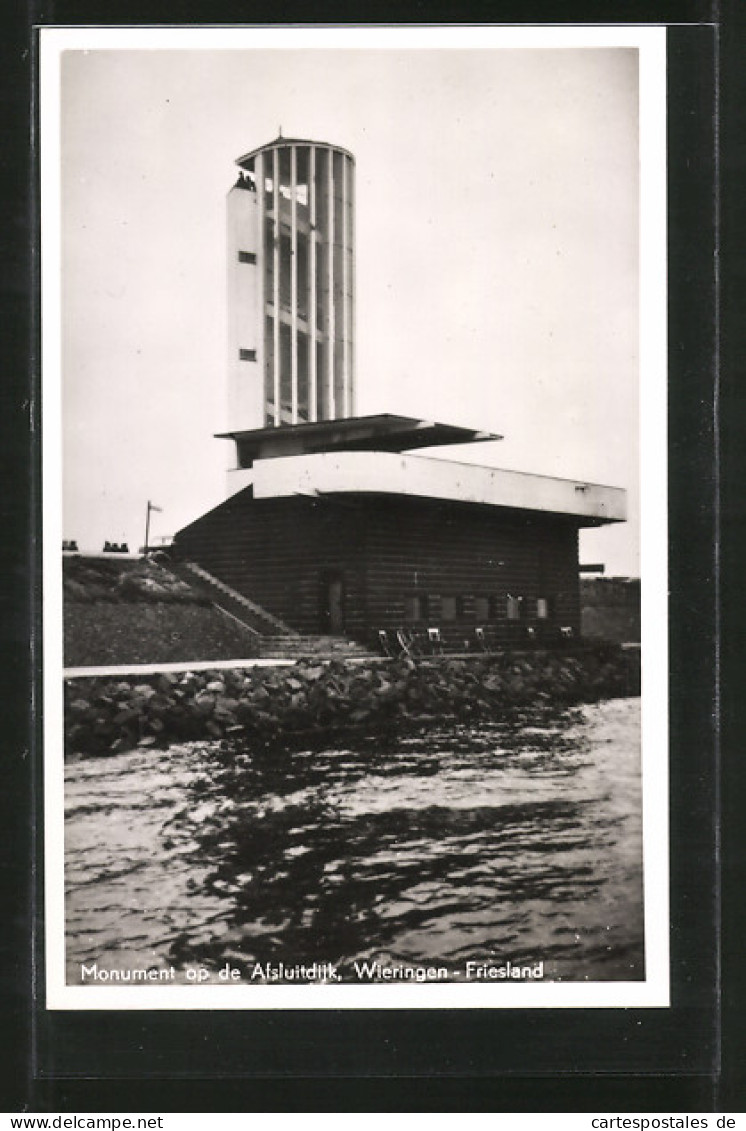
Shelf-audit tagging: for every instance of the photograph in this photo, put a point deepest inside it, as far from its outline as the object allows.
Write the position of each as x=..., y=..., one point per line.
x=354, y=396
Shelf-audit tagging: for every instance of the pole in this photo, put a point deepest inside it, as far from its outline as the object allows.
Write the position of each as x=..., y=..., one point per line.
x=147, y=526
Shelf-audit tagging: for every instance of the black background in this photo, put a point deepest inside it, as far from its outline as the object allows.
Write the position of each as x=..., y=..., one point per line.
x=687, y=1058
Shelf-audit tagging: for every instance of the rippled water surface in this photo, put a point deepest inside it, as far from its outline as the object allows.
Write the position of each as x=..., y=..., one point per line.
x=512, y=841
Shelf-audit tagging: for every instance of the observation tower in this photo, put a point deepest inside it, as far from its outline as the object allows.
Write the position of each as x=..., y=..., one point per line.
x=290, y=219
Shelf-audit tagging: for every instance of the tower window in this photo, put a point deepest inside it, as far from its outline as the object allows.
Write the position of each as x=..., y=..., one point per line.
x=247, y=355
x=246, y=257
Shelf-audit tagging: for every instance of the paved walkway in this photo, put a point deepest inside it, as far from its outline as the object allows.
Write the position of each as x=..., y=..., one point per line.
x=256, y=662
x=153, y=669
x=211, y=665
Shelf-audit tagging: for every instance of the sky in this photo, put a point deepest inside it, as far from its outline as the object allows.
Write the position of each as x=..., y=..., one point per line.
x=497, y=276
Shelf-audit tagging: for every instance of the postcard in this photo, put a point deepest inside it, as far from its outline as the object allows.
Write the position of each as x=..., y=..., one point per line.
x=355, y=530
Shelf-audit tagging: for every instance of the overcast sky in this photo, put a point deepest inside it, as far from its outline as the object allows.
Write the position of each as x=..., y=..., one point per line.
x=496, y=252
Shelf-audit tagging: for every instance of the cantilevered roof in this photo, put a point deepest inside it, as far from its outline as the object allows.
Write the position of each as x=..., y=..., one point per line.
x=279, y=141
x=380, y=473
x=382, y=433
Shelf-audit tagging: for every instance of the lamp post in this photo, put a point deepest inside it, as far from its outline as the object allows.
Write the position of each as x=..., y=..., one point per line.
x=150, y=507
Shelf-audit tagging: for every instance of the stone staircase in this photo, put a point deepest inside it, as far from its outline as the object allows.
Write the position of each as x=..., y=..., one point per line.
x=257, y=620
x=272, y=639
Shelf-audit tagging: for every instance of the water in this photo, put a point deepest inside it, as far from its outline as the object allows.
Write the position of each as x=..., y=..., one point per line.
x=517, y=841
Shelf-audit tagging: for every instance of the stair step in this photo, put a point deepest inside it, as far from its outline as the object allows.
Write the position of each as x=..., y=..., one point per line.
x=272, y=638
x=331, y=641
x=311, y=646
x=320, y=657
x=260, y=621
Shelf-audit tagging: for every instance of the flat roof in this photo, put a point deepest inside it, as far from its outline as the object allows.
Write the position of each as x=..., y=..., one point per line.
x=279, y=141
x=384, y=432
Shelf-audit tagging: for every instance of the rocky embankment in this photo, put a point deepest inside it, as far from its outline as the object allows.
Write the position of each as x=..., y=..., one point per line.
x=109, y=714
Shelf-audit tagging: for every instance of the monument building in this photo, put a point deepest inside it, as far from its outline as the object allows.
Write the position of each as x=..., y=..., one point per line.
x=331, y=524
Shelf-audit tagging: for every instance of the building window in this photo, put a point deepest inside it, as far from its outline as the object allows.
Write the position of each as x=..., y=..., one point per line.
x=269, y=260
x=303, y=286
x=286, y=373
x=321, y=189
x=416, y=607
x=494, y=607
x=463, y=607
x=246, y=257
x=269, y=361
x=303, y=389
x=543, y=608
x=514, y=607
x=285, y=176
x=286, y=283
x=302, y=173
x=448, y=608
x=247, y=355
x=322, y=286
x=482, y=608
x=322, y=395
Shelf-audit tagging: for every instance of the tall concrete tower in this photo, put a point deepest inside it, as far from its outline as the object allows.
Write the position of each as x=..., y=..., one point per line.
x=291, y=286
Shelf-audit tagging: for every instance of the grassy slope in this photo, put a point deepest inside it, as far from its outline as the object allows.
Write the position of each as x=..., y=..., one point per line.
x=120, y=611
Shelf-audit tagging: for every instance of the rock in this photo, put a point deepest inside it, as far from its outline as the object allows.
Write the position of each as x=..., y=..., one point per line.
x=234, y=681
x=159, y=704
x=126, y=715
x=204, y=703
x=80, y=709
x=143, y=691
x=106, y=715
x=226, y=706
x=79, y=738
